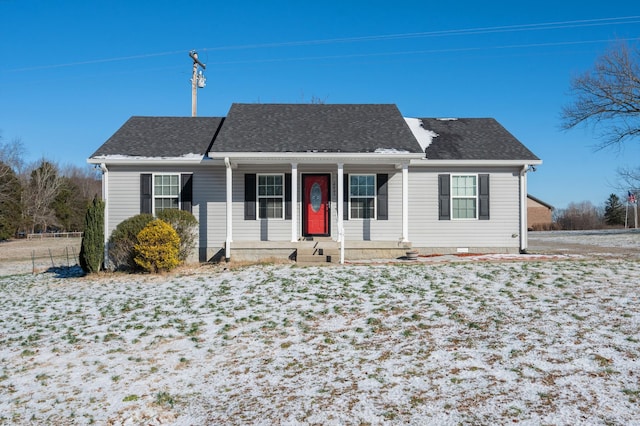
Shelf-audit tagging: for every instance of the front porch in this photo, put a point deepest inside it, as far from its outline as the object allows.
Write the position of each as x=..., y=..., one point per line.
x=318, y=250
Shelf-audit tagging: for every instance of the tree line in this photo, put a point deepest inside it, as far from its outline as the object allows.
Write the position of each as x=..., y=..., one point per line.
x=615, y=213
x=42, y=196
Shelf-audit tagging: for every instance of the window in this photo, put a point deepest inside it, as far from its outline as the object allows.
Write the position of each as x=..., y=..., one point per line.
x=464, y=196
x=166, y=192
x=271, y=196
x=362, y=196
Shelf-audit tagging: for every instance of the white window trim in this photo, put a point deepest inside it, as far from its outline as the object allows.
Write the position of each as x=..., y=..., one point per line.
x=153, y=190
x=258, y=196
x=465, y=196
x=375, y=196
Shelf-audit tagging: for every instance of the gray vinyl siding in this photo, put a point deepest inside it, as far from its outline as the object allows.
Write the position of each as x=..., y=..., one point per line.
x=258, y=229
x=208, y=204
x=378, y=230
x=280, y=229
x=500, y=231
x=123, y=195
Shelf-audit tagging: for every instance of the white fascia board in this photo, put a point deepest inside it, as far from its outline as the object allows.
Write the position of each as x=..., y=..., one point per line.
x=469, y=163
x=316, y=157
x=154, y=161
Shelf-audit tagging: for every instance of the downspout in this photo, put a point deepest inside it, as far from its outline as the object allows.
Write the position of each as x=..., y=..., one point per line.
x=105, y=192
x=523, y=209
x=340, y=210
x=229, y=234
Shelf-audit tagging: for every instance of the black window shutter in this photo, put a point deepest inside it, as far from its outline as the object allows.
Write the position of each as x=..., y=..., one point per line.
x=444, y=197
x=249, y=197
x=287, y=195
x=483, y=197
x=383, y=196
x=345, y=197
x=186, y=192
x=145, y=193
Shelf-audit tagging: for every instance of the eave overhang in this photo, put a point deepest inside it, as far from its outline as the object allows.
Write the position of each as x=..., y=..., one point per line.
x=317, y=157
x=123, y=160
x=475, y=163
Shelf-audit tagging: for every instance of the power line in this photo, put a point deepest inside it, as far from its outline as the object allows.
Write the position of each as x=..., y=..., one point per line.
x=442, y=33
x=467, y=31
x=423, y=52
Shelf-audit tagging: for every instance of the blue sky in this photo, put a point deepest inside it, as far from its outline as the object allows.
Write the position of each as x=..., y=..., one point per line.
x=72, y=72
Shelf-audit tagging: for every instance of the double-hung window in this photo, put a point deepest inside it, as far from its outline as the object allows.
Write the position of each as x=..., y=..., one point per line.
x=271, y=196
x=166, y=192
x=161, y=191
x=464, y=196
x=362, y=196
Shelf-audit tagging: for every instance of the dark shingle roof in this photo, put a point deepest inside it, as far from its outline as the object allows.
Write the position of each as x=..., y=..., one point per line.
x=161, y=137
x=314, y=127
x=473, y=139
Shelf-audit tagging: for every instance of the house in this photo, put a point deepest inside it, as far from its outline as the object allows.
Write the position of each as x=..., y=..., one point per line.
x=539, y=214
x=352, y=180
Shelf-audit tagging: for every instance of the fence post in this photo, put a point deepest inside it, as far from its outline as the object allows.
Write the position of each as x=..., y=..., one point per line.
x=33, y=261
x=51, y=257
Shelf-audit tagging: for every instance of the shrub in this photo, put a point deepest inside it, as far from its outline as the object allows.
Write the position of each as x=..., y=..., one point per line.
x=158, y=247
x=92, y=246
x=185, y=225
x=123, y=239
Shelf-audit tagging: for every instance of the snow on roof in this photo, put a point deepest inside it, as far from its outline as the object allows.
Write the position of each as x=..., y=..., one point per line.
x=390, y=151
x=424, y=136
x=190, y=156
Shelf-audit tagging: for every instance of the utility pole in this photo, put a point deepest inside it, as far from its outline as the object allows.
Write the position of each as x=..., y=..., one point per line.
x=197, y=81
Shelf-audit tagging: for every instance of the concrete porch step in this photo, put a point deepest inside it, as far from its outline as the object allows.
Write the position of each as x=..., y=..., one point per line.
x=324, y=250
x=315, y=259
x=319, y=251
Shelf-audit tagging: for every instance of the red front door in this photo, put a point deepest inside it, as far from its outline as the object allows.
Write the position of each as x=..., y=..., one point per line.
x=316, y=205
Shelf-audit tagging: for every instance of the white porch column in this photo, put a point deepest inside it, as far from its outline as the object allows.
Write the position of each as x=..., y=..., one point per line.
x=105, y=198
x=523, y=208
x=405, y=202
x=341, y=210
x=294, y=202
x=229, y=238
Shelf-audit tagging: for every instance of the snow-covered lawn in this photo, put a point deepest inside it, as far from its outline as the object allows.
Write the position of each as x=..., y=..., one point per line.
x=476, y=340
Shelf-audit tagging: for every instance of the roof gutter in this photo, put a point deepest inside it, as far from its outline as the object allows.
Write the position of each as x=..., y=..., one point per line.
x=474, y=163
x=318, y=157
x=154, y=160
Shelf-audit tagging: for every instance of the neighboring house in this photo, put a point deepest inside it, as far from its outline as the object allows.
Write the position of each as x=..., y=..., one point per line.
x=539, y=214
x=273, y=180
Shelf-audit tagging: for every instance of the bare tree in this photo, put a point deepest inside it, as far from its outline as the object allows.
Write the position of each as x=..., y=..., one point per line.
x=41, y=190
x=582, y=215
x=629, y=179
x=608, y=97
x=87, y=179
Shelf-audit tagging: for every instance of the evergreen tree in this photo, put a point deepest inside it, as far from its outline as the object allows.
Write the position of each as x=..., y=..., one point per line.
x=614, y=211
x=9, y=202
x=92, y=247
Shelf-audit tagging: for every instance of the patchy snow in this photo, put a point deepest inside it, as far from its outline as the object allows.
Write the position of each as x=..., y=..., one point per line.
x=190, y=156
x=390, y=151
x=447, y=119
x=548, y=340
x=424, y=136
x=619, y=238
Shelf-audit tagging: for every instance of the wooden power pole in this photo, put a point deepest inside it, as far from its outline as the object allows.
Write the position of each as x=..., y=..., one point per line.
x=197, y=81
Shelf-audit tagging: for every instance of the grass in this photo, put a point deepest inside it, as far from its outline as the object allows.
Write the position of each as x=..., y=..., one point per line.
x=362, y=344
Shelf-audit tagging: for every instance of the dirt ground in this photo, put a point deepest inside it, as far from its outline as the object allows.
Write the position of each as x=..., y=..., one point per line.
x=35, y=255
